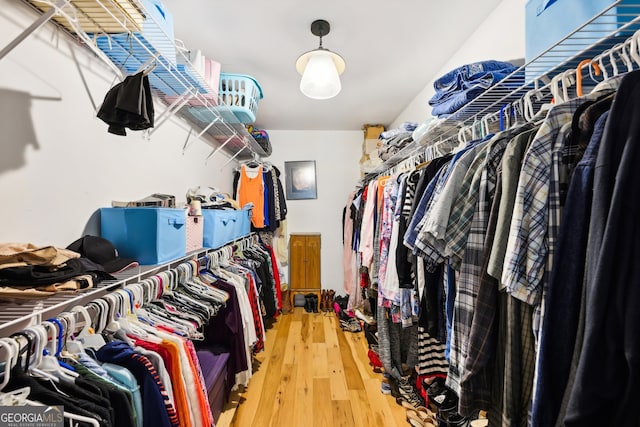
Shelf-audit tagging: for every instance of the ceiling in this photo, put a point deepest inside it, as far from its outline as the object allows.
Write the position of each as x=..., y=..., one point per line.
x=392, y=51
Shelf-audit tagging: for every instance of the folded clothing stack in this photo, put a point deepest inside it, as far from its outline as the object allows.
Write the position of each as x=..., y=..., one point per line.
x=462, y=85
x=30, y=272
x=394, y=140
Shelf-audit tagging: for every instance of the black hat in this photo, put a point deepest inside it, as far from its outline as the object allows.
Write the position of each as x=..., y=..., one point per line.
x=101, y=251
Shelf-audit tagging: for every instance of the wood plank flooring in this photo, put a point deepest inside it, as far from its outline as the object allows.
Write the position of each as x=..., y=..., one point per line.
x=314, y=375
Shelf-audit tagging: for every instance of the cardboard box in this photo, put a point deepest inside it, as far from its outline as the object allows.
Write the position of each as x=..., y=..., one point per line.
x=372, y=131
x=370, y=146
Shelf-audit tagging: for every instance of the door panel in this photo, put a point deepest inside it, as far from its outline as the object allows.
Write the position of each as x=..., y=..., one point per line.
x=297, y=262
x=313, y=262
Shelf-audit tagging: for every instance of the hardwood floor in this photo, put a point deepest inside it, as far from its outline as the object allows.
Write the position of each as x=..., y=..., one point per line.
x=313, y=374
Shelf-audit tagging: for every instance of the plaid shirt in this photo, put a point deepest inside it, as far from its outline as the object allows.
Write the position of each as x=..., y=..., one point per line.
x=426, y=245
x=527, y=248
x=476, y=383
x=471, y=267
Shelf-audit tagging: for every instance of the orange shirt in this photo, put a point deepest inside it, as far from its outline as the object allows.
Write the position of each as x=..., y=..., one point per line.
x=179, y=392
x=252, y=191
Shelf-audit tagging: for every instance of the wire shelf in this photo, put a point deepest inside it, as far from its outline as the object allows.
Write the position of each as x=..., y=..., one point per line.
x=127, y=51
x=15, y=316
x=594, y=38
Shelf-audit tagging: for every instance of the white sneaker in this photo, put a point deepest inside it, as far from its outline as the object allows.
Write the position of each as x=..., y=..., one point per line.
x=367, y=319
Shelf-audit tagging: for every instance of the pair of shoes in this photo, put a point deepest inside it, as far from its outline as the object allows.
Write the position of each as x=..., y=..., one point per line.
x=311, y=303
x=409, y=397
x=421, y=417
x=393, y=384
x=323, y=299
x=351, y=325
x=343, y=301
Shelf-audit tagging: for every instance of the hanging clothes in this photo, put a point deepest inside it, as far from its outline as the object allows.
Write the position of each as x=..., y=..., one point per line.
x=251, y=190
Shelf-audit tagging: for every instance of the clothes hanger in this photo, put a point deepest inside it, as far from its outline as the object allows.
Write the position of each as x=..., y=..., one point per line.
x=59, y=332
x=621, y=51
x=26, y=349
x=634, y=47
x=590, y=63
x=51, y=346
x=85, y=338
x=556, y=91
x=9, y=359
x=566, y=81
x=46, y=366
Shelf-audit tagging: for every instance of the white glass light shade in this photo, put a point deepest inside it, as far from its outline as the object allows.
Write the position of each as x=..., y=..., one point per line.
x=321, y=75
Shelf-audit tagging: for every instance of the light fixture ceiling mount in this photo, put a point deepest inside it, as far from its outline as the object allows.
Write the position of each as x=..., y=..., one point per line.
x=320, y=68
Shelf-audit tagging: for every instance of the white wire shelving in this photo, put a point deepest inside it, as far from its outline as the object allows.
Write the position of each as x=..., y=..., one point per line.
x=602, y=38
x=118, y=32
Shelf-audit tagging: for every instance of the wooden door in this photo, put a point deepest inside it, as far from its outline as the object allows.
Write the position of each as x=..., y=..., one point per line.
x=304, y=262
x=312, y=267
x=297, y=273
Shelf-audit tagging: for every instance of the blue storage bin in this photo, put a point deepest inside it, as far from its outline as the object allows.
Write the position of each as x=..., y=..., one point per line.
x=148, y=235
x=219, y=227
x=547, y=22
x=244, y=227
x=240, y=93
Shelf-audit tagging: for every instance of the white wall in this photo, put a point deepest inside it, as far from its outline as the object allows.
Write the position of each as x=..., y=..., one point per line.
x=499, y=37
x=58, y=164
x=336, y=154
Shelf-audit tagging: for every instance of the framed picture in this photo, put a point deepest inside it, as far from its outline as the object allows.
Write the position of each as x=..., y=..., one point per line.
x=300, y=178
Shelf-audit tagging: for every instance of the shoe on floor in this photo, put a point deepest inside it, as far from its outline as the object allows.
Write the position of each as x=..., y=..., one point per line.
x=385, y=387
x=366, y=319
x=409, y=397
x=351, y=325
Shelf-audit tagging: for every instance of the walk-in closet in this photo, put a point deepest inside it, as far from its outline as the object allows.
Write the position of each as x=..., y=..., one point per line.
x=285, y=214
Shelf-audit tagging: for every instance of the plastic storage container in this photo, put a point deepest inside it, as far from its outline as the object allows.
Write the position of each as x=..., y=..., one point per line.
x=547, y=22
x=148, y=235
x=241, y=94
x=220, y=226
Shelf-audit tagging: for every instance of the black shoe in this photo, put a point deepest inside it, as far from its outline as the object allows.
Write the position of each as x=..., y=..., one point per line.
x=314, y=303
x=436, y=388
x=457, y=420
x=307, y=304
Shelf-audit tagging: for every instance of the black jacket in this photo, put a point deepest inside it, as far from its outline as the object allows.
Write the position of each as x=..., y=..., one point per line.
x=128, y=104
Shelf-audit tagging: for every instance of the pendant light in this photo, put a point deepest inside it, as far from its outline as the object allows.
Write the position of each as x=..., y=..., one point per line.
x=320, y=68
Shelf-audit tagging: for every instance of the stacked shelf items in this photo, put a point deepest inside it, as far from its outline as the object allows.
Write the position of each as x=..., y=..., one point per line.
x=130, y=42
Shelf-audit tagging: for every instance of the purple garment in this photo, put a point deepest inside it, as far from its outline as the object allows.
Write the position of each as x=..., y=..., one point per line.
x=224, y=334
